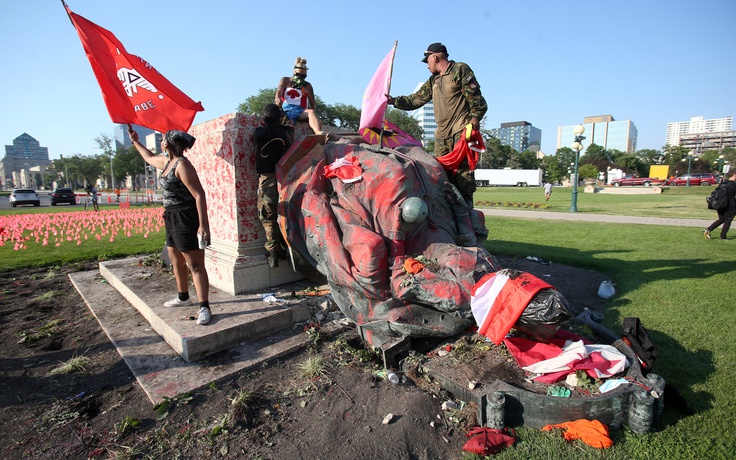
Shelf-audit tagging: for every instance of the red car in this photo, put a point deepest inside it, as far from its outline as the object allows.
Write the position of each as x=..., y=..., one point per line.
x=645, y=181
x=695, y=179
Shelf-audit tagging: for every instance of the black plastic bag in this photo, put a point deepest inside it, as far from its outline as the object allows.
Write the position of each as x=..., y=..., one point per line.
x=546, y=312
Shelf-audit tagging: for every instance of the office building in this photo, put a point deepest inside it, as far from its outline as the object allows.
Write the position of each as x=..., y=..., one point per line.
x=519, y=135
x=122, y=140
x=25, y=153
x=425, y=116
x=696, y=126
x=603, y=131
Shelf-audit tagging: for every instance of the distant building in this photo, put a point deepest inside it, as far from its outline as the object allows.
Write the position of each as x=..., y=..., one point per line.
x=708, y=141
x=519, y=135
x=25, y=153
x=425, y=116
x=696, y=125
x=122, y=140
x=604, y=131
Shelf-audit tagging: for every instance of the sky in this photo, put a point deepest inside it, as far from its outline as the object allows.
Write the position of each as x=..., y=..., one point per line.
x=550, y=63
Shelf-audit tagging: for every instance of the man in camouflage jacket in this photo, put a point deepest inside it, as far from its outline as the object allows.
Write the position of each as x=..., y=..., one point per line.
x=457, y=101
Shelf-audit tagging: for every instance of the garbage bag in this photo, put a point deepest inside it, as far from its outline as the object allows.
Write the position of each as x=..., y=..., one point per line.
x=543, y=316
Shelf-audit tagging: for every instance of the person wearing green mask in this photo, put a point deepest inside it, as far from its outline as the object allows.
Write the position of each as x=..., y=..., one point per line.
x=295, y=96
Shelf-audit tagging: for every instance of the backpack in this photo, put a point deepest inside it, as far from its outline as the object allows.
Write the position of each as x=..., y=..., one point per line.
x=638, y=339
x=718, y=198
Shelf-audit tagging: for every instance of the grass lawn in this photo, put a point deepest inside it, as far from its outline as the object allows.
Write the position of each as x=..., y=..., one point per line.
x=680, y=285
x=676, y=202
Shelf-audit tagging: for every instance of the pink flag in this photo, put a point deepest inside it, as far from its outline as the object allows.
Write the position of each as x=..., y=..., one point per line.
x=374, y=98
x=134, y=92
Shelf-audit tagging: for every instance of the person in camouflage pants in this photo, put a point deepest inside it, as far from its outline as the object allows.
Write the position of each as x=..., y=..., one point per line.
x=272, y=141
x=457, y=100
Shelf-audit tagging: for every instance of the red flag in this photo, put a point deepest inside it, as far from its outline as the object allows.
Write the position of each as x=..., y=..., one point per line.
x=134, y=92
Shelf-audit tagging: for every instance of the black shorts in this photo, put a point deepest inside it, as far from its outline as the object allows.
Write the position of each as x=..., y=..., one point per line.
x=182, y=223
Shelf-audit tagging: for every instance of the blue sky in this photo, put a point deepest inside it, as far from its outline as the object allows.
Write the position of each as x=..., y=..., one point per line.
x=549, y=63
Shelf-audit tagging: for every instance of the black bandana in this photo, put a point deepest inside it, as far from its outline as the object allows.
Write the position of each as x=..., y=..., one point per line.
x=175, y=136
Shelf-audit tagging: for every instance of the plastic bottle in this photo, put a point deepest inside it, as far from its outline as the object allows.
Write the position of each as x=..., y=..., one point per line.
x=392, y=377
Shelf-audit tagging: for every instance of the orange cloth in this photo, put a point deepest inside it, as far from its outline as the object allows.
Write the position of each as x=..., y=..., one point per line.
x=591, y=432
x=413, y=266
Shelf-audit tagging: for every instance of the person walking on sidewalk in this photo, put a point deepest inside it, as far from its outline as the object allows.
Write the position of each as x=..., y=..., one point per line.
x=726, y=215
x=185, y=217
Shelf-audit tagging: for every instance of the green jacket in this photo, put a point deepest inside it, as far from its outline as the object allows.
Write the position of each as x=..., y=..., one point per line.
x=456, y=96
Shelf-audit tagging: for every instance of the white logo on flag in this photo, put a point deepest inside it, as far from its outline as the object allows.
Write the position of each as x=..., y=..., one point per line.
x=132, y=80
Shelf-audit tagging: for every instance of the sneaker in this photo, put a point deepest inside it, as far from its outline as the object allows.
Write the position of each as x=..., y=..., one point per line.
x=204, y=315
x=706, y=233
x=178, y=303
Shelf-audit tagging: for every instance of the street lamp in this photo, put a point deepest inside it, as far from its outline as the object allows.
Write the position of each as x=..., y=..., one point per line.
x=577, y=146
x=690, y=157
x=720, y=161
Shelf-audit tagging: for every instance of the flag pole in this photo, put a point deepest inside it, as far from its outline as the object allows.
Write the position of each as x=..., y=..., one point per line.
x=390, y=74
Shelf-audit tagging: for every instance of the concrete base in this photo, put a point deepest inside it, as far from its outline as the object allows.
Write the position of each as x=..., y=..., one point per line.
x=234, y=319
x=159, y=370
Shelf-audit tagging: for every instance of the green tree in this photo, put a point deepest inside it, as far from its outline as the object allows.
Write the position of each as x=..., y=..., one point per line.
x=405, y=122
x=528, y=160
x=129, y=163
x=254, y=105
x=105, y=143
x=346, y=116
x=588, y=172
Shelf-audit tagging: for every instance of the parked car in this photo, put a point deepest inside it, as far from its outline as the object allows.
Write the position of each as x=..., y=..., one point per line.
x=63, y=195
x=695, y=179
x=24, y=196
x=630, y=180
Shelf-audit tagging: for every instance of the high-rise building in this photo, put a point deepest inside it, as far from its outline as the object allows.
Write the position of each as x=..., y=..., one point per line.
x=520, y=135
x=604, y=131
x=122, y=140
x=696, y=125
x=425, y=116
x=25, y=153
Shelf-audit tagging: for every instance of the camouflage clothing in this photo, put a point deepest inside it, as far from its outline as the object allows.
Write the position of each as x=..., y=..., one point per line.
x=456, y=98
x=268, y=199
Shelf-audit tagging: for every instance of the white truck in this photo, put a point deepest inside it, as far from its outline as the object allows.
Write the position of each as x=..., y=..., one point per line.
x=508, y=177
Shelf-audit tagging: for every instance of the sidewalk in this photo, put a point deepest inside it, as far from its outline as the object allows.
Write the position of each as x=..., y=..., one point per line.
x=586, y=217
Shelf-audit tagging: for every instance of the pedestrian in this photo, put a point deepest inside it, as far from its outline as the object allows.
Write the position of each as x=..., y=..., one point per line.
x=272, y=141
x=725, y=215
x=185, y=217
x=92, y=192
x=547, y=190
x=457, y=101
x=295, y=96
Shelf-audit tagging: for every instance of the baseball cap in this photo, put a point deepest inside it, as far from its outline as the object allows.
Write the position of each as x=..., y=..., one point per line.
x=434, y=48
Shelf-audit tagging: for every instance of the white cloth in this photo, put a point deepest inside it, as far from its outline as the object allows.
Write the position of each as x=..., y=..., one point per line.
x=576, y=351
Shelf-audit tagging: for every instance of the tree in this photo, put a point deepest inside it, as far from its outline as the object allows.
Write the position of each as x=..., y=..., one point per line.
x=405, y=122
x=346, y=116
x=528, y=160
x=104, y=143
x=588, y=172
x=254, y=105
x=129, y=163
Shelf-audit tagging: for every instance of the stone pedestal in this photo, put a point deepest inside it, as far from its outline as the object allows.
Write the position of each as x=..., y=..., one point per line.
x=224, y=156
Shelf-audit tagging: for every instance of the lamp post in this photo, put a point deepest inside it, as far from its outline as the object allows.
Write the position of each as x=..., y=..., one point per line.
x=720, y=161
x=689, y=159
x=577, y=147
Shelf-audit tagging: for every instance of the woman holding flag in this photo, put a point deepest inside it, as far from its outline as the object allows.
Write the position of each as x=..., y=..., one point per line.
x=185, y=217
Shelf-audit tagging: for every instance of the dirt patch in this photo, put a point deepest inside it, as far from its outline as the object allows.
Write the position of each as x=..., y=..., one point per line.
x=329, y=401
